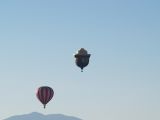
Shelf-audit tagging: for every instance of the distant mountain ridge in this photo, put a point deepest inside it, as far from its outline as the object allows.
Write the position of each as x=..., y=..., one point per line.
x=39, y=116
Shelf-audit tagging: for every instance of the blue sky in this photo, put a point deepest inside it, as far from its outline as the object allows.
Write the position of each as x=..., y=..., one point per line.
x=37, y=42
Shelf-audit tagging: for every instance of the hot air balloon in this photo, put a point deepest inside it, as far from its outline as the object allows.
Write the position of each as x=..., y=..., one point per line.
x=82, y=58
x=45, y=94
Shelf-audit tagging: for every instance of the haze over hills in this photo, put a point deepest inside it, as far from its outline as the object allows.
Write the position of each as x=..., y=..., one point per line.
x=39, y=116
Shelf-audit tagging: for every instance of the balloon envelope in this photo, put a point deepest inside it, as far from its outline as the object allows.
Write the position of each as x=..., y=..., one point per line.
x=45, y=94
x=82, y=58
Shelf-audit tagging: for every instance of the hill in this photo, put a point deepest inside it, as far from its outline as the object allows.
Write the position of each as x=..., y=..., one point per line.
x=38, y=116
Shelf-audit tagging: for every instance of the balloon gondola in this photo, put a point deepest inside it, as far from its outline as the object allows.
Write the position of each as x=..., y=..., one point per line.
x=82, y=58
x=44, y=94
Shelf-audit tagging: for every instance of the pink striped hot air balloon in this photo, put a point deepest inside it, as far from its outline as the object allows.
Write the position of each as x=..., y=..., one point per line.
x=45, y=94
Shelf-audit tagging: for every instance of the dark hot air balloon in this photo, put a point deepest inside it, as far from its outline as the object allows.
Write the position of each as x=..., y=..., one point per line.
x=45, y=94
x=82, y=58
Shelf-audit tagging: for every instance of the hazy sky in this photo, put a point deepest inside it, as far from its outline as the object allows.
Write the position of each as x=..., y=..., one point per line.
x=39, y=37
